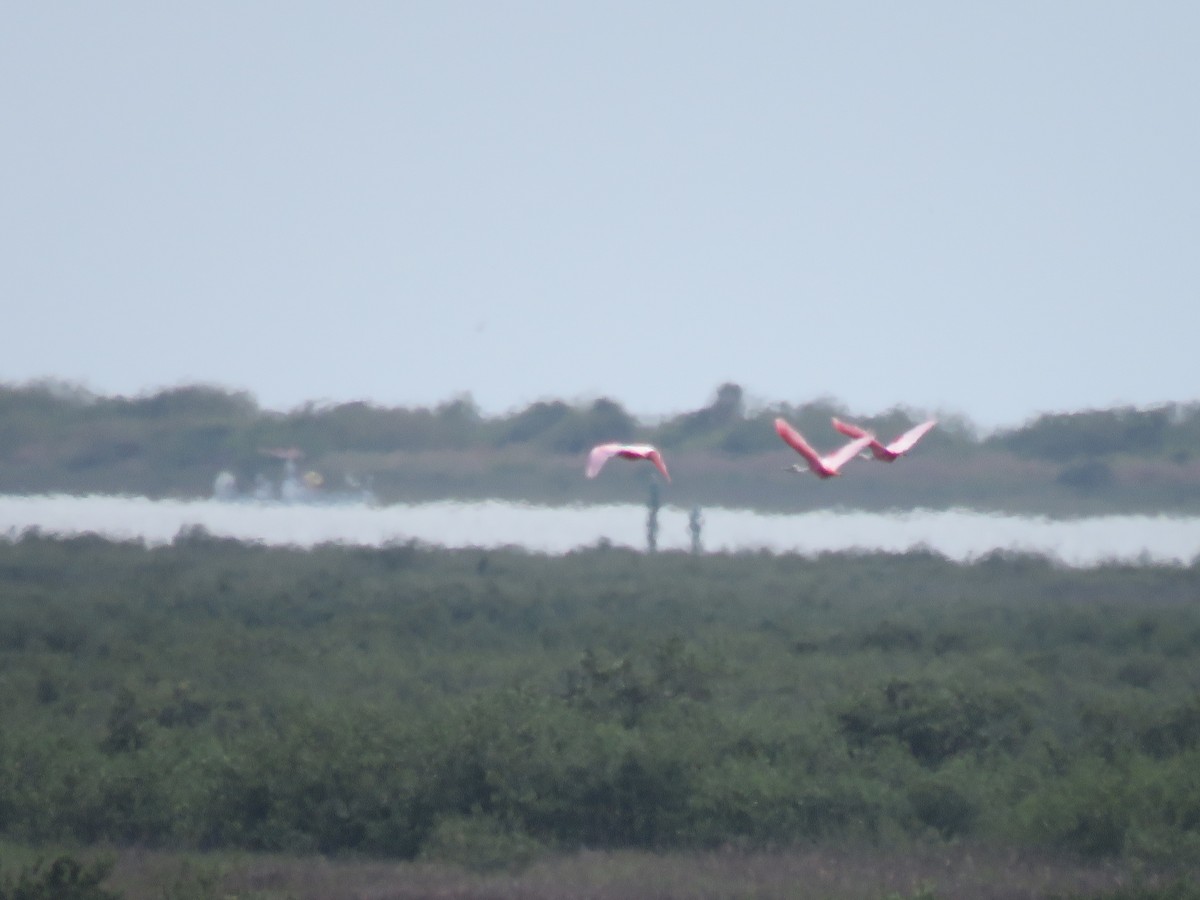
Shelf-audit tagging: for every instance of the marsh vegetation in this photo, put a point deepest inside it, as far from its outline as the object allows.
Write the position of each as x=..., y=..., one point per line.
x=497, y=710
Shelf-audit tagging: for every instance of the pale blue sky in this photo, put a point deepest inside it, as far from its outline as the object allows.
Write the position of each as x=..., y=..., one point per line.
x=984, y=209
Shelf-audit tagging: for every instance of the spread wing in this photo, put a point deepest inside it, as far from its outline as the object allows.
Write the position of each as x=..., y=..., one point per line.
x=844, y=454
x=849, y=430
x=796, y=441
x=599, y=455
x=909, y=438
x=657, y=458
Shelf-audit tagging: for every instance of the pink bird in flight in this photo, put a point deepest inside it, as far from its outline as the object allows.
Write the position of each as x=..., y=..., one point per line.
x=886, y=452
x=821, y=466
x=602, y=453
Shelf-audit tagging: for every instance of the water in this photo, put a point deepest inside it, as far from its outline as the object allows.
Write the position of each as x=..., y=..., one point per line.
x=956, y=534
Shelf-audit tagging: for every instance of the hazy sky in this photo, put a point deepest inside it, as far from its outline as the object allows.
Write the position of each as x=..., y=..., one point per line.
x=985, y=209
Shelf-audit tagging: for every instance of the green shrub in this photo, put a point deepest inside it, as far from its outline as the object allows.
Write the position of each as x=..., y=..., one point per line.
x=936, y=721
x=66, y=878
x=942, y=807
x=1089, y=811
x=479, y=843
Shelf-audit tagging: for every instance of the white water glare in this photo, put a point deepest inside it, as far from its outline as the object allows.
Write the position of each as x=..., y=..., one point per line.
x=957, y=534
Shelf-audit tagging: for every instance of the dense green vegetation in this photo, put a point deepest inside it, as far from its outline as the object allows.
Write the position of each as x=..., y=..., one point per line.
x=174, y=443
x=484, y=707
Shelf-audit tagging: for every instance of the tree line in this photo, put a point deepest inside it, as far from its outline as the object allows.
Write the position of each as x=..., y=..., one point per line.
x=56, y=437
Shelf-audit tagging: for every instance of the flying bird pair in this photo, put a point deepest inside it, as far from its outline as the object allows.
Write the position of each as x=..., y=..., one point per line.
x=829, y=466
x=822, y=466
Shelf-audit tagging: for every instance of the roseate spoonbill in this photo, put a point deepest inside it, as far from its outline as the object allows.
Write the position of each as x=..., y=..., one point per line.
x=602, y=453
x=822, y=466
x=886, y=452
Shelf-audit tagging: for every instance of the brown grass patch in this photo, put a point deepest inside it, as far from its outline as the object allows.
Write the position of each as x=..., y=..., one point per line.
x=964, y=873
